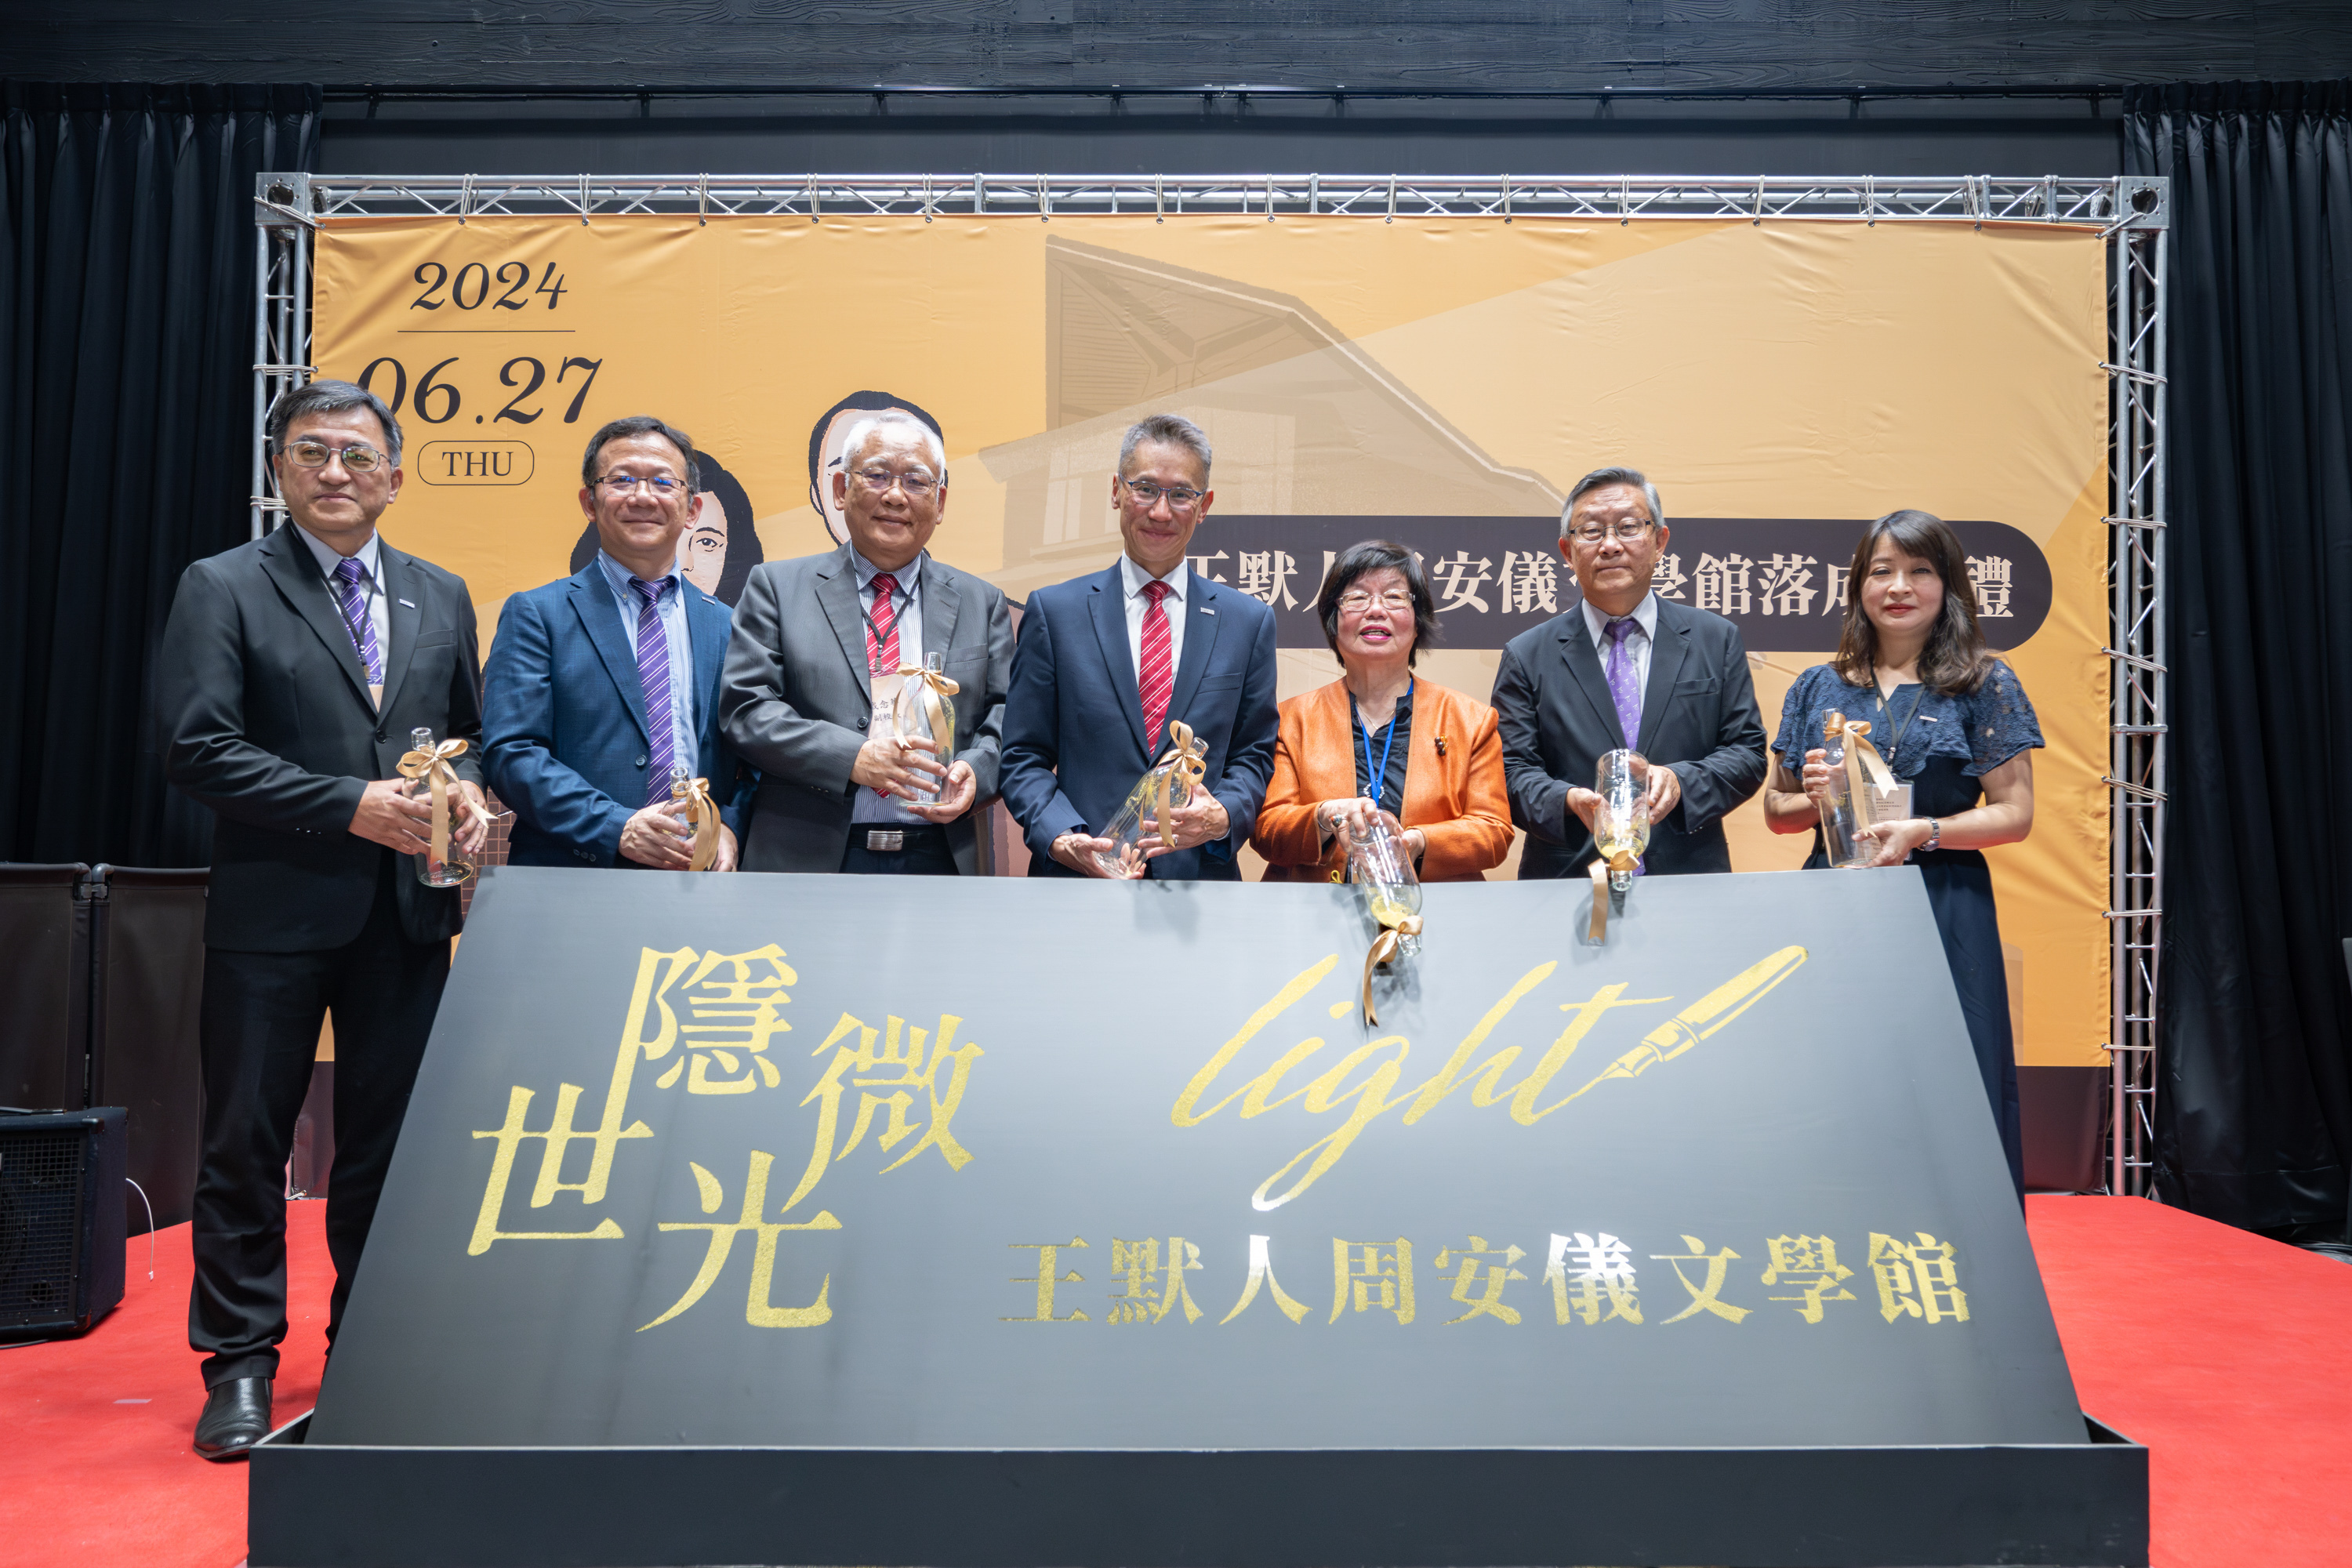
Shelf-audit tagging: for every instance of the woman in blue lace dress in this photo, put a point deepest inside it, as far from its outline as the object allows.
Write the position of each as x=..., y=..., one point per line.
x=1952, y=721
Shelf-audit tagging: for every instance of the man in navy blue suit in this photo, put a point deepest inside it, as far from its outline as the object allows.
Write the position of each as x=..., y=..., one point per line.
x=1107, y=661
x=603, y=683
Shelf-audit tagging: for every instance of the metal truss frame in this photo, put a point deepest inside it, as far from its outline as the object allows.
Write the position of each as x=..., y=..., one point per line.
x=2132, y=213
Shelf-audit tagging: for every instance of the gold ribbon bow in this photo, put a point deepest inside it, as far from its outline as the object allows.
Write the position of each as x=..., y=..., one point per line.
x=439, y=778
x=1860, y=757
x=1394, y=929
x=696, y=794
x=1185, y=755
x=927, y=687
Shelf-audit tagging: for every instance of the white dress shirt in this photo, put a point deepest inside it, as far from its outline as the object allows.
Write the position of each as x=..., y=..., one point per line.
x=1138, y=601
x=379, y=608
x=1637, y=642
x=906, y=603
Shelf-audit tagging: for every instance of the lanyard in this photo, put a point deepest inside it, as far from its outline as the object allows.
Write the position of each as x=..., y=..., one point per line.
x=1896, y=743
x=1378, y=780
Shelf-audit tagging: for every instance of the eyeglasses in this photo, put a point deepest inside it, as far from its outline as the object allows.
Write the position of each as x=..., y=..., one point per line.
x=664, y=486
x=1355, y=602
x=358, y=458
x=1593, y=534
x=1180, y=498
x=879, y=481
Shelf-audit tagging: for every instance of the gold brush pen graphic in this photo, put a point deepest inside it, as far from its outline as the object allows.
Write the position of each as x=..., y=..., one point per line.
x=1714, y=1010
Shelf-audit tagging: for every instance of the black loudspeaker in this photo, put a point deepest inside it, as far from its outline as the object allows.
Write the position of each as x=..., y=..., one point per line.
x=61, y=1221
x=44, y=986
x=147, y=983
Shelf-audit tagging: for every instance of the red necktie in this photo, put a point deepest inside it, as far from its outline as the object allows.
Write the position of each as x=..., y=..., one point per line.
x=1157, y=677
x=882, y=633
x=882, y=630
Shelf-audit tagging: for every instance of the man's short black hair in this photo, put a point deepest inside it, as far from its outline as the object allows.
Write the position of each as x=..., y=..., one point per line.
x=328, y=397
x=641, y=425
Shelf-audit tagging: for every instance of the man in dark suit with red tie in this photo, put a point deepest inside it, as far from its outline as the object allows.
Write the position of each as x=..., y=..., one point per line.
x=293, y=671
x=1107, y=661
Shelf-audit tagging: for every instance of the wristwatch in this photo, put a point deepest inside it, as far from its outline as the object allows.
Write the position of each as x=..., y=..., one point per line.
x=1934, y=834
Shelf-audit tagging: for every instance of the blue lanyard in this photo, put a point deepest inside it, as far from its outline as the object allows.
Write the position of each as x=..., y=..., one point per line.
x=1379, y=781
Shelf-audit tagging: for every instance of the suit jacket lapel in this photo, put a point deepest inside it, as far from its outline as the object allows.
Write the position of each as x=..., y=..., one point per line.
x=600, y=616
x=1109, y=605
x=1584, y=664
x=1667, y=651
x=289, y=563
x=942, y=601
x=708, y=624
x=404, y=618
x=836, y=594
x=1200, y=621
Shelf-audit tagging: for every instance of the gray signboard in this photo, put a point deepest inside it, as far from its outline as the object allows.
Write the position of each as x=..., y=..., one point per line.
x=842, y=1163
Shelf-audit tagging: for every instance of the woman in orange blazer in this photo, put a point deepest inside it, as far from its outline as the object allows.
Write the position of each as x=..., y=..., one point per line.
x=1431, y=758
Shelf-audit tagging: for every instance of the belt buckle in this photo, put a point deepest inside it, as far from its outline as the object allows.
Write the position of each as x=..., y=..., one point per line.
x=886, y=840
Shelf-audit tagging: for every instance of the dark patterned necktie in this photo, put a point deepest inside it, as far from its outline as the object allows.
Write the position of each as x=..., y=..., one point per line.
x=653, y=678
x=349, y=576
x=1622, y=687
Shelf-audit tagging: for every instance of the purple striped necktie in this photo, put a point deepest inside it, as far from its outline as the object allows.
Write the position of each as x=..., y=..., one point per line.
x=653, y=678
x=1622, y=687
x=358, y=622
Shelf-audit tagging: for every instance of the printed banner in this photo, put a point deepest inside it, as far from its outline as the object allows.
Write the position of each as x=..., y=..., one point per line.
x=1442, y=381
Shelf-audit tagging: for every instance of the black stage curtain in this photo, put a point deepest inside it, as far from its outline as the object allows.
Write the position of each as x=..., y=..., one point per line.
x=2254, y=1090
x=126, y=343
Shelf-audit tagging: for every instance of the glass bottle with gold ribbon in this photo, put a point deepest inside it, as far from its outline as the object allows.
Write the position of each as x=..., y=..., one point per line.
x=426, y=766
x=1380, y=865
x=697, y=815
x=1864, y=791
x=925, y=711
x=1621, y=824
x=1143, y=822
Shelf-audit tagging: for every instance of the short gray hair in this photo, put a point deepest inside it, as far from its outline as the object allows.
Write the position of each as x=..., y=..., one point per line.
x=863, y=432
x=1169, y=430
x=1600, y=477
x=328, y=397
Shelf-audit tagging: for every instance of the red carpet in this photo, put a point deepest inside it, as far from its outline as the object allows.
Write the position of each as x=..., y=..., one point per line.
x=2228, y=1355
x=97, y=1469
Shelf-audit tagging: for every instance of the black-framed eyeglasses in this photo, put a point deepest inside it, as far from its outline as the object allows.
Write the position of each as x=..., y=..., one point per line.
x=359, y=457
x=879, y=480
x=664, y=486
x=1180, y=498
x=1594, y=532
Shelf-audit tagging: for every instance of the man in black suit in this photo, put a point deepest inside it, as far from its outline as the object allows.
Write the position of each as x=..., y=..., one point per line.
x=293, y=671
x=1623, y=667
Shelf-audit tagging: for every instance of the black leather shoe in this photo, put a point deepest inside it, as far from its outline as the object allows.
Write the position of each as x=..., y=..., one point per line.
x=236, y=1417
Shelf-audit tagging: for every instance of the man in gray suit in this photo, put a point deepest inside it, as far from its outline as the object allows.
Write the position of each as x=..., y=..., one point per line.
x=1621, y=667
x=812, y=667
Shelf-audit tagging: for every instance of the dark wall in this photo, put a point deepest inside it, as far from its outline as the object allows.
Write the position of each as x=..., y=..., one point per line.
x=1226, y=135
x=1749, y=45
x=1634, y=48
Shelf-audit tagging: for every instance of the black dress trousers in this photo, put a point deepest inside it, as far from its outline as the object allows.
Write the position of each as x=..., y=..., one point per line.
x=259, y=1033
